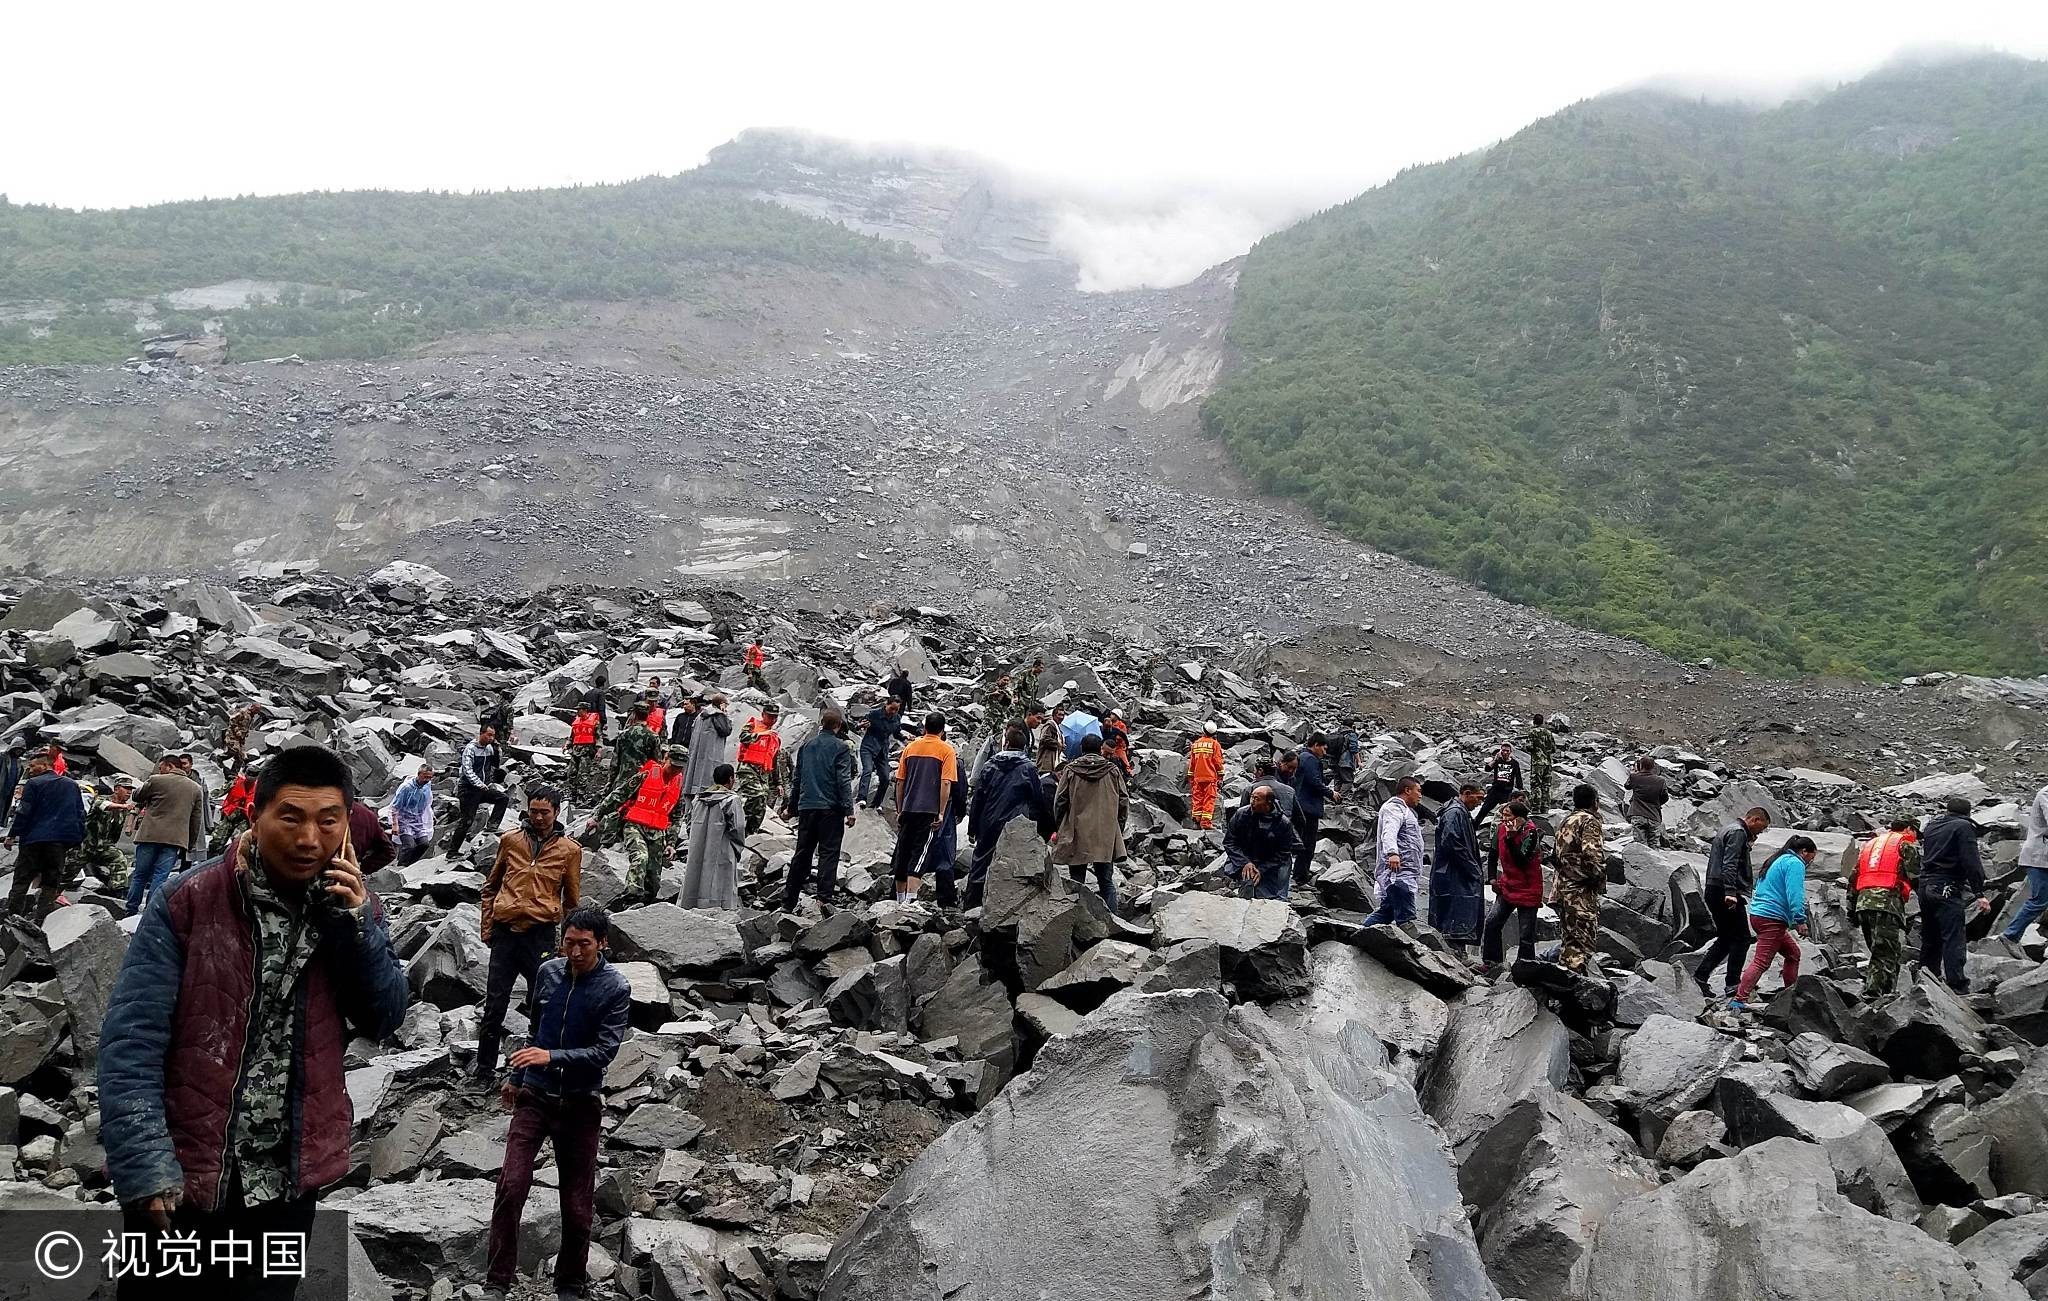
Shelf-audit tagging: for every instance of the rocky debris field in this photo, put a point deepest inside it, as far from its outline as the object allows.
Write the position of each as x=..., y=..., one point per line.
x=1196, y=1094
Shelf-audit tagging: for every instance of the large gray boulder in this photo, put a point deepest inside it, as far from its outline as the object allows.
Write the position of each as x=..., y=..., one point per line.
x=1034, y=923
x=86, y=946
x=1924, y=1030
x=1498, y=1048
x=1409, y=1020
x=1769, y=1223
x=2022, y=1004
x=1174, y=1147
x=1670, y=1066
x=2016, y=1248
x=1867, y=1170
x=977, y=1011
x=418, y=1232
x=2016, y=1122
x=1830, y=1070
x=1544, y=1178
x=1265, y=947
x=680, y=941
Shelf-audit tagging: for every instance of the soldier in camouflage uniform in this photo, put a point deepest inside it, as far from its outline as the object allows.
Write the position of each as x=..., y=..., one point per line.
x=236, y=741
x=1001, y=703
x=1148, y=675
x=1027, y=686
x=1580, y=879
x=1885, y=871
x=649, y=849
x=100, y=851
x=760, y=771
x=284, y=945
x=635, y=746
x=1542, y=745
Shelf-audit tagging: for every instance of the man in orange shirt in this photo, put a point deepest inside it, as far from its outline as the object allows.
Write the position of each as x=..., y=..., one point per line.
x=1205, y=776
x=924, y=792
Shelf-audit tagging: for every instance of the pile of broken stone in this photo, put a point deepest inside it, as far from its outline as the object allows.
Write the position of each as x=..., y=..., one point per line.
x=1196, y=1093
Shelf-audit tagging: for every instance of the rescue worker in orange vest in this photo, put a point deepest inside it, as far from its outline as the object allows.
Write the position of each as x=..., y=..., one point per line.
x=1205, y=776
x=657, y=706
x=649, y=804
x=234, y=811
x=1116, y=740
x=583, y=749
x=756, y=660
x=1884, y=875
x=759, y=773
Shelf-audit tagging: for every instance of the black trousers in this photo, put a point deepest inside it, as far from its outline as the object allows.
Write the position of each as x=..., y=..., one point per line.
x=1309, y=829
x=1942, y=926
x=1731, y=938
x=513, y=954
x=819, y=834
x=913, y=831
x=1495, y=796
x=468, y=799
x=1491, y=947
x=229, y=1219
x=41, y=864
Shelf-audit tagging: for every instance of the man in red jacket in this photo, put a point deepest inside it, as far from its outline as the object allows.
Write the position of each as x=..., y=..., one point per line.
x=1517, y=884
x=223, y=1104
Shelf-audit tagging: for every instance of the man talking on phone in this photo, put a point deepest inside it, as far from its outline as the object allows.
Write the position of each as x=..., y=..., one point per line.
x=223, y=1104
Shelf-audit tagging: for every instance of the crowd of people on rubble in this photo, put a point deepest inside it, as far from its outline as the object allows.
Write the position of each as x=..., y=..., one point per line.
x=258, y=929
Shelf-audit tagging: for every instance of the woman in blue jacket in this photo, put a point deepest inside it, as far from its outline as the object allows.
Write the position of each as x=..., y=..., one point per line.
x=1776, y=911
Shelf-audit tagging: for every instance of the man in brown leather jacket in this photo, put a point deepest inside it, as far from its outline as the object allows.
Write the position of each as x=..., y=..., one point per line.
x=533, y=883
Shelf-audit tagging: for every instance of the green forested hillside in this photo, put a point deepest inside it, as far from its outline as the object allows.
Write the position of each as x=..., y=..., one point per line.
x=388, y=269
x=1767, y=386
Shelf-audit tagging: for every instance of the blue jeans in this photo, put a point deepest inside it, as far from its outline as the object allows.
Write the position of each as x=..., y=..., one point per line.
x=877, y=766
x=1396, y=908
x=2036, y=904
x=1273, y=881
x=153, y=865
x=1105, y=880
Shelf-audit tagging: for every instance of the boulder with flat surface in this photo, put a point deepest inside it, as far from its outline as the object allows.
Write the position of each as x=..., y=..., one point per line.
x=1867, y=1170
x=1670, y=1066
x=1497, y=1048
x=1264, y=946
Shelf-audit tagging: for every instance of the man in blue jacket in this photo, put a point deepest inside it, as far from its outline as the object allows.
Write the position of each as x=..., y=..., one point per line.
x=1456, y=895
x=1311, y=791
x=1008, y=788
x=1951, y=888
x=48, y=826
x=821, y=800
x=583, y=1003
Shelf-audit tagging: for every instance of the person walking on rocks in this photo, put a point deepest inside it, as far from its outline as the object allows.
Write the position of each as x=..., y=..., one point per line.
x=1503, y=779
x=1009, y=788
x=2033, y=857
x=1776, y=912
x=1052, y=747
x=1648, y=792
x=1259, y=845
x=999, y=704
x=1116, y=740
x=1311, y=792
x=1205, y=776
x=684, y=723
x=106, y=818
x=48, y=824
x=879, y=732
x=710, y=747
x=1883, y=881
x=657, y=707
x=718, y=837
x=412, y=815
x=224, y=1108
x=760, y=778
x=583, y=751
x=1089, y=808
x=476, y=784
x=1517, y=885
x=924, y=791
x=821, y=805
x=898, y=688
x=1345, y=760
x=648, y=804
x=1457, y=889
x=757, y=660
x=635, y=746
x=1951, y=887
x=555, y=1094
x=236, y=739
x=1580, y=879
x=1728, y=884
x=1397, y=856
x=1027, y=686
x=536, y=880
x=170, y=827
x=1542, y=747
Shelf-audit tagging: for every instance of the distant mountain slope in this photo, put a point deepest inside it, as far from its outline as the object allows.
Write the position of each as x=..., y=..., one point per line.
x=365, y=273
x=1764, y=386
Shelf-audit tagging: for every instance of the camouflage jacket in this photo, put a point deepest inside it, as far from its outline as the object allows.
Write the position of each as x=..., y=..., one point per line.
x=262, y=1138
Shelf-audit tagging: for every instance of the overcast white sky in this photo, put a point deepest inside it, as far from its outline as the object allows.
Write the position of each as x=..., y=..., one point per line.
x=1228, y=118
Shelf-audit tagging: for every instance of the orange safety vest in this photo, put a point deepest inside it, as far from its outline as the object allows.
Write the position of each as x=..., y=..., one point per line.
x=756, y=657
x=584, y=730
x=1877, y=867
x=241, y=795
x=758, y=749
x=655, y=802
x=1205, y=760
x=655, y=718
